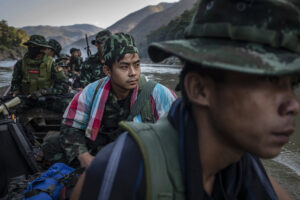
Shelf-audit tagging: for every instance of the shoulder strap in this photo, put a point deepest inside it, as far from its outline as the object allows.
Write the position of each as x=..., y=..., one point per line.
x=162, y=162
x=111, y=169
x=96, y=91
x=143, y=104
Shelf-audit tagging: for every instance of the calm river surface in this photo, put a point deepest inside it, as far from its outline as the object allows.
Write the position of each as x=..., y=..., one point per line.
x=285, y=168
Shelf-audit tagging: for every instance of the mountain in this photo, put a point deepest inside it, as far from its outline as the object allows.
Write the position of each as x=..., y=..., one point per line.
x=142, y=22
x=159, y=19
x=65, y=35
x=129, y=22
x=126, y=24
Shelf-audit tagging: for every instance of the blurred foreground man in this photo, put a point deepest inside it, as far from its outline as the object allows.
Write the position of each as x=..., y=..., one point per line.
x=91, y=120
x=242, y=62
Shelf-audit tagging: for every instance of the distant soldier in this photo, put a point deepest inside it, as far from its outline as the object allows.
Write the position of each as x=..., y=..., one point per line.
x=63, y=57
x=36, y=74
x=91, y=69
x=76, y=59
x=54, y=49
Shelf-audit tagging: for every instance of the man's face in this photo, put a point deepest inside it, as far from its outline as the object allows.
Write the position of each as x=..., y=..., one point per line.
x=99, y=46
x=75, y=54
x=254, y=113
x=126, y=73
x=49, y=52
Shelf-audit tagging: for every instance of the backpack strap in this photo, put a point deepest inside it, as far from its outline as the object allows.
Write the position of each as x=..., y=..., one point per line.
x=142, y=104
x=163, y=174
x=111, y=169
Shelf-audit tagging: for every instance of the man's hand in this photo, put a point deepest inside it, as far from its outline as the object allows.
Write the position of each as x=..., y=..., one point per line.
x=85, y=159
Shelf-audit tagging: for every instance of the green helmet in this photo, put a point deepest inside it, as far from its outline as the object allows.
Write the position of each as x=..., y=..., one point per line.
x=116, y=45
x=101, y=36
x=54, y=44
x=248, y=36
x=37, y=40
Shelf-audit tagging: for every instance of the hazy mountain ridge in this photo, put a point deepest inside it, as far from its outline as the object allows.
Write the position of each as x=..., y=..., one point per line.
x=63, y=34
x=123, y=25
x=157, y=20
x=130, y=21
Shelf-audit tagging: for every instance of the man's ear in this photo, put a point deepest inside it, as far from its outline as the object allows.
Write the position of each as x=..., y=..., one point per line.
x=197, y=88
x=106, y=71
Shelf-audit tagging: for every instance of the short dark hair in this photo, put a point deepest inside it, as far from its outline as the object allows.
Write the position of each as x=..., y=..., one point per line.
x=216, y=74
x=110, y=62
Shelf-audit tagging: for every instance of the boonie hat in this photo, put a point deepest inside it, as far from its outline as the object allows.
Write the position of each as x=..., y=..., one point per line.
x=248, y=36
x=101, y=36
x=118, y=44
x=37, y=40
x=54, y=44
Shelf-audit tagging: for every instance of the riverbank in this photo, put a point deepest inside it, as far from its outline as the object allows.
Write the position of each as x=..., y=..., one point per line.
x=11, y=54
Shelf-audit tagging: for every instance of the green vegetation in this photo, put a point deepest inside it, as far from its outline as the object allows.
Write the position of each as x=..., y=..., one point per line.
x=173, y=30
x=11, y=40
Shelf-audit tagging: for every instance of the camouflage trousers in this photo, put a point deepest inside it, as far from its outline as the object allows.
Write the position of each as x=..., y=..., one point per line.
x=54, y=153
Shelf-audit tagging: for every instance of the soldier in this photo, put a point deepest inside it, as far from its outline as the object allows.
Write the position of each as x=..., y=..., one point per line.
x=238, y=105
x=63, y=57
x=92, y=68
x=75, y=60
x=91, y=119
x=54, y=49
x=36, y=74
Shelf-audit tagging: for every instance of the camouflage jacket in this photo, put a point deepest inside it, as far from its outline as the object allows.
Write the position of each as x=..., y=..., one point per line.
x=60, y=85
x=91, y=70
x=75, y=63
x=73, y=140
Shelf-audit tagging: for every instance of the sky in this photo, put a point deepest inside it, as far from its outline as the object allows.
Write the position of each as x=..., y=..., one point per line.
x=102, y=13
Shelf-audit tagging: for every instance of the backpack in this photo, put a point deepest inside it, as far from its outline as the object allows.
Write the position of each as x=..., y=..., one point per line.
x=50, y=183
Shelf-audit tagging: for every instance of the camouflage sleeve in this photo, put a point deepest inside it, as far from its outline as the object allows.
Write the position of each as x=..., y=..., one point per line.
x=72, y=141
x=61, y=83
x=16, y=81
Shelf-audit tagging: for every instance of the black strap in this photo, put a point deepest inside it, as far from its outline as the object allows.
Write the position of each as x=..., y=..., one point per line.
x=24, y=147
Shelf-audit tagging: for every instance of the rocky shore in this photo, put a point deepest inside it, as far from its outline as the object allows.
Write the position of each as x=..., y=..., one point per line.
x=11, y=54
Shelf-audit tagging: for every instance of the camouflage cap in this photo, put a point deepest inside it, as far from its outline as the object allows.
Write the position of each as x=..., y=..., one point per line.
x=116, y=45
x=101, y=36
x=63, y=56
x=54, y=44
x=249, y=36
x=37, y=40
x=62, y=64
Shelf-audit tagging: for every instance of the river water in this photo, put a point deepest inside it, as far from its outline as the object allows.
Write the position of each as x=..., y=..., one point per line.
x=285, y=168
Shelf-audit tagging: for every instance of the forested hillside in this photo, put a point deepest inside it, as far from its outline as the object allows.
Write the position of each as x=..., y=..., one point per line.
x=11, y=40
x=173, y=30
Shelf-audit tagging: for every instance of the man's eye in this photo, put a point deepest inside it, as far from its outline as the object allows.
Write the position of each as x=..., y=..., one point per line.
x=137, y=65
x=273, y=79
x=124, y=67
x=295, y=83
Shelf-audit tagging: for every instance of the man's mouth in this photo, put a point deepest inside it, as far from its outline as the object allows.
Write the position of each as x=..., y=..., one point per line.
x=283, y=136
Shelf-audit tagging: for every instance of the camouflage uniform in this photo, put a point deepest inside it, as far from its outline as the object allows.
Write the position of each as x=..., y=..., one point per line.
x=73, y=140
x=58, y=85
x=91, y=69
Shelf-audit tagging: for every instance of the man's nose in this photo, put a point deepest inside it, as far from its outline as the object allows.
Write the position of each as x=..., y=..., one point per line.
x=132, y=70
x=290, y=106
